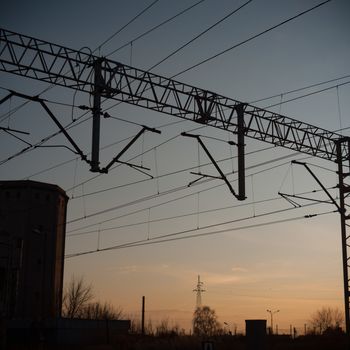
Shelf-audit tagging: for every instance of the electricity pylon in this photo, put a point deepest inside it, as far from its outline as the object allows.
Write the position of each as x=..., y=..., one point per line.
x=199, y=289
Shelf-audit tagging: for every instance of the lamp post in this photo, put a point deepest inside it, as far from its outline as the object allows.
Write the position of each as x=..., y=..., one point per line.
x=272, y=312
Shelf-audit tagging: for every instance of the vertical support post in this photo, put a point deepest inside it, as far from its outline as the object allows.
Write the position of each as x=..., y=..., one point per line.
x=143, y=316
x=96, y=117
x=344, y=236
x=240, y=145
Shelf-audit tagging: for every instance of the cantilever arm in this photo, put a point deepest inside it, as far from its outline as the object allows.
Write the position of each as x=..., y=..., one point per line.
x=52, y=116
x=116, y=158
x=222, y=175
x=319, y=182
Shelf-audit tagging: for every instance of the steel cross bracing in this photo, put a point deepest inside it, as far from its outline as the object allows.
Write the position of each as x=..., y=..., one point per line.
x=41, y=60
x=104, y=78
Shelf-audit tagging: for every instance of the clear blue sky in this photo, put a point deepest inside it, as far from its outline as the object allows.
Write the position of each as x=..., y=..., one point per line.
x=294, y=266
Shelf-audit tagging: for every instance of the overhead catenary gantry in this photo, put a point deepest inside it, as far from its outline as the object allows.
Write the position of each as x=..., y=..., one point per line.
x=106, y=79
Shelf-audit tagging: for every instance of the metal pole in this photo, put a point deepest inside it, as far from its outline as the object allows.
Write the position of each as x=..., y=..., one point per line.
x=240, y=145
x=143, y=316
x=343, y=233
x=96, y=118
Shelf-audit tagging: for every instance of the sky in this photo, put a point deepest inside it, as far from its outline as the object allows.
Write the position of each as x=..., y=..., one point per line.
x=266, y=255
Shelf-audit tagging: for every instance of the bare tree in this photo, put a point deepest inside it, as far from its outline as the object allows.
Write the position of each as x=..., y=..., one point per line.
x=205, y=322
x=77, y=302
x=101, y=311
x=76, y=297
x=327, y=318
x=163, y=328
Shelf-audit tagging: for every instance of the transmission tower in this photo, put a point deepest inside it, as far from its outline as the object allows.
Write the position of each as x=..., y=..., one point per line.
x=199, y=289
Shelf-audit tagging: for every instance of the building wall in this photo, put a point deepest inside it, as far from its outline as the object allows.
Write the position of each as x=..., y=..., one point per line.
x=32, y=238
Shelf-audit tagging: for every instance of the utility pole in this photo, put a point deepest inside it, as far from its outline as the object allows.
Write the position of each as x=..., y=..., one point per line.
x=199, y=289
x=143, y=316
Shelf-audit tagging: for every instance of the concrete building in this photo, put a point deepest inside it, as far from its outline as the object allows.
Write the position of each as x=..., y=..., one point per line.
x=32, y=240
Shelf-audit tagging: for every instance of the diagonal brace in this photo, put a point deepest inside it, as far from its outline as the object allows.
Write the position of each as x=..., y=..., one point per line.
x=320, y=183
x=52, y=116
x=222, y=175
x=116, y=158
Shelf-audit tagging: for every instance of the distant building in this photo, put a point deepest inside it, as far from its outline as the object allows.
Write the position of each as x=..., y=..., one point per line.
x=32, y=240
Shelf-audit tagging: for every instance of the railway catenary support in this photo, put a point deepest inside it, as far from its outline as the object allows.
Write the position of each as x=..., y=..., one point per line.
x=103, y=78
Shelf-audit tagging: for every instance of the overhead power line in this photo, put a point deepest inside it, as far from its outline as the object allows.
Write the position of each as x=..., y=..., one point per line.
x=300, y=89
x=170, y=191
x=308, y=94
x=173, y=237
x=162, y=175
x=126, y=25
x=200, y=34
x=155, y=27
x=251, y=38
x=194, y=213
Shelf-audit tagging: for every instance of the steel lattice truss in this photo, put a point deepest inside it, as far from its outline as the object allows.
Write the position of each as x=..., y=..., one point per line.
x=41, y=60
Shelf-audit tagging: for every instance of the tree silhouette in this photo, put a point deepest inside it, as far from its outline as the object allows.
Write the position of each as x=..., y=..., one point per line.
x=76, y=297
x=101, y=311
x=327, y=318
x=205, y=322
x=78, y=302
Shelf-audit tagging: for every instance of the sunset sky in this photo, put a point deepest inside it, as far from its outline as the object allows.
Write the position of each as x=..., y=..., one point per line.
x=252, y=255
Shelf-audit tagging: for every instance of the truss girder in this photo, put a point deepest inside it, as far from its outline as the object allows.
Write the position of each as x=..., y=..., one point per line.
x=41, y=60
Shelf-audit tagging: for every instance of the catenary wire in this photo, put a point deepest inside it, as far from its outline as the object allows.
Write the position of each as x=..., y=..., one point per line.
x=167, y=174
x=167, y=192
x=251, y=38
x=155, y=27
x=200, y=34
x=300, y=89
x=102, y=148
x=308, y=94
x=70, y=234
x=168, y=238
x=126, y=25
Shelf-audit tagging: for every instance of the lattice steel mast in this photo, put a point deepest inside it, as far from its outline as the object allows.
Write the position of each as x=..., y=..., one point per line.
x=199, y=290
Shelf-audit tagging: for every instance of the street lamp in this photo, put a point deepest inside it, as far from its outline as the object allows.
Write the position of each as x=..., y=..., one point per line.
x=272, y=312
